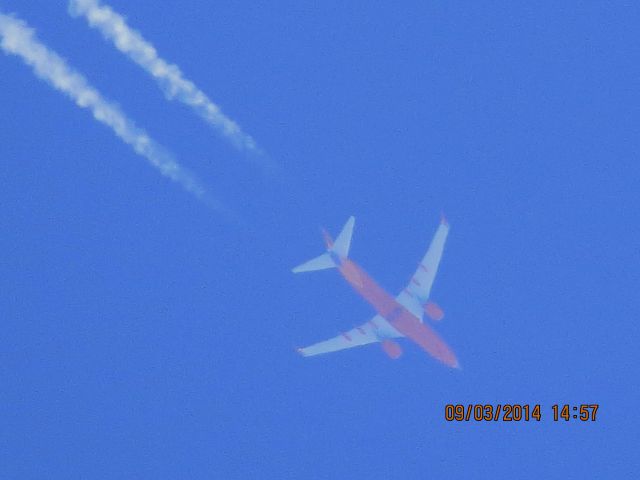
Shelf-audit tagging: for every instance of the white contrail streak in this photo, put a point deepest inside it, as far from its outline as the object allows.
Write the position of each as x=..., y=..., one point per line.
x=16, y=38
x=168, y=76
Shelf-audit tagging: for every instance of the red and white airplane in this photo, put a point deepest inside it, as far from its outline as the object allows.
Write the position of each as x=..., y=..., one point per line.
x=397, y=317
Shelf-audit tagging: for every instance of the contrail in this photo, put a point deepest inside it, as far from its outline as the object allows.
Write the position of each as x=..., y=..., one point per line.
x=20, y=40
x=168, y=76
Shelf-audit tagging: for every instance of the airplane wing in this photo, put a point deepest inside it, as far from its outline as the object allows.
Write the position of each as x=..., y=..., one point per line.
x=362, y=335
x=419, y=288
x=411, y=303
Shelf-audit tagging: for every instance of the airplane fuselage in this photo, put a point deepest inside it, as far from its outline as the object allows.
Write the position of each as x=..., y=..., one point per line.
x=378, y=298
x=401, y=321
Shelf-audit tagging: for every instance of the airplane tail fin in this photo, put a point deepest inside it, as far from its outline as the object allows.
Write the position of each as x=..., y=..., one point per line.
x=338, y=248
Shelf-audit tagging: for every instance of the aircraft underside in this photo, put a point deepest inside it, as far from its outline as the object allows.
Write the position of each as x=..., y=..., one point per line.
x=397, y=317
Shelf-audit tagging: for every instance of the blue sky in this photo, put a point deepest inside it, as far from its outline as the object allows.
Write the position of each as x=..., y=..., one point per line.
x=147, y=336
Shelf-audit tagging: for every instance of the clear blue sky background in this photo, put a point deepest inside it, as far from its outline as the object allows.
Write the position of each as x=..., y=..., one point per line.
x=143, y=336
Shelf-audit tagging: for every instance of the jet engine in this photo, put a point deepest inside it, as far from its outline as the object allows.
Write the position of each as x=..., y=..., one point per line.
x=433, y=311
x=391, y=348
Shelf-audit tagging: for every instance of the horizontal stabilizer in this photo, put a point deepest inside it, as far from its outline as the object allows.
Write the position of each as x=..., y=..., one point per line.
x=343, y=242
x=322, y=262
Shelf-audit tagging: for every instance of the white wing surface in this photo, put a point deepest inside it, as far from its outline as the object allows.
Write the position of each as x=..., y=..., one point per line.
x=419, y=288
x=411, y=303
x=362, y=335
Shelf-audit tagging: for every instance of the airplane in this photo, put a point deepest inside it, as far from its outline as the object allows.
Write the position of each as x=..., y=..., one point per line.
x=402, y=316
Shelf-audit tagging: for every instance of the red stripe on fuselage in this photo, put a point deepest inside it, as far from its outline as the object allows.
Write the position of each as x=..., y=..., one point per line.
x=403, y=320
x=367, y=287
x=426, y=337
